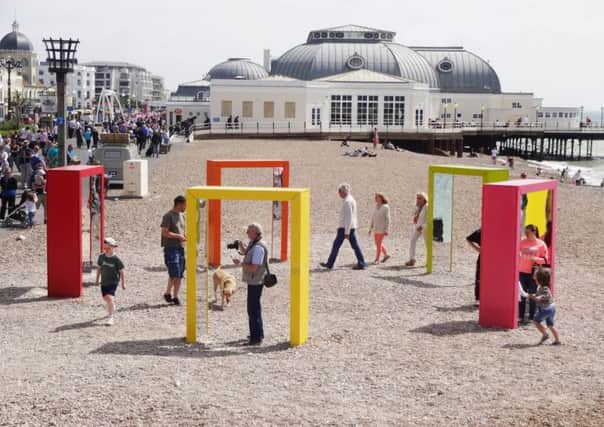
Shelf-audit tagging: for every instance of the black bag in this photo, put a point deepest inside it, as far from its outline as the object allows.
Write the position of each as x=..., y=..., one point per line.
x=269, y=280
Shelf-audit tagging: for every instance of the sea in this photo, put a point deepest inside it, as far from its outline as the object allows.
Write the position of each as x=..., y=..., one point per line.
x=591, y=170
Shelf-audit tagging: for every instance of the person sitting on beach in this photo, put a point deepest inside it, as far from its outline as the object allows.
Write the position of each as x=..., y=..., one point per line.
x=577, y=179
x=389, y=146
x=345, y=142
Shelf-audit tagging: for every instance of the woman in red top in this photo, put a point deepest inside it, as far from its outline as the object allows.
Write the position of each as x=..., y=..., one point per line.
x=532, y=252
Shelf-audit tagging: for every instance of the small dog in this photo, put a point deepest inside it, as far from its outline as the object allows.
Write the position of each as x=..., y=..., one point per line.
x=227, y=283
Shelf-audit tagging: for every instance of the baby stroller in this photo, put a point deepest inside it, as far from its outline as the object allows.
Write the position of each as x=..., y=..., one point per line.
x=17, y=218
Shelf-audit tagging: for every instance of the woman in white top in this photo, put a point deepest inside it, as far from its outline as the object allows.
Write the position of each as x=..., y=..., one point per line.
x=419, y=225
x=380, y=224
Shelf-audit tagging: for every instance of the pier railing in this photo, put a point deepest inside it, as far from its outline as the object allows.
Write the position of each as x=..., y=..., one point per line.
x=298, y=128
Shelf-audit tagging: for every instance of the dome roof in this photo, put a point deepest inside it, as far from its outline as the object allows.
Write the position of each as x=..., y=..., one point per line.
x=341, y=49
x=16, y=40
x=237, y=68
x=459, y=70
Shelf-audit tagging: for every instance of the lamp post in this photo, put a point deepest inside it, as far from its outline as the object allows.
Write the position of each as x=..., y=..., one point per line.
x=61, y=60
x=445, y=118
x=481, y=115
x=455, y=107
x=10, y=64
x=537, y=108
x=581, y=117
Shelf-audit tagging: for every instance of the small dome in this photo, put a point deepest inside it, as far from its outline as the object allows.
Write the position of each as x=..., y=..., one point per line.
x=460, y=70
x=16, y=40
x=237, y=69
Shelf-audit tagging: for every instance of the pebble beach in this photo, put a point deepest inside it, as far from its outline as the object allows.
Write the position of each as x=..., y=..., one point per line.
x=388, y=345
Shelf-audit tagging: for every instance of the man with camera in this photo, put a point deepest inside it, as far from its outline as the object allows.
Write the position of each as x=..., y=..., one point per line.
x=254, y=269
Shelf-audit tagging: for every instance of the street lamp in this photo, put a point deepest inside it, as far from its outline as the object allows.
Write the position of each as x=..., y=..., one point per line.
x=61, y=60
x=481, y=115
x=537, y=108
x=10, y=64
x=581, y=119
x=455, y=114
x=445, y=118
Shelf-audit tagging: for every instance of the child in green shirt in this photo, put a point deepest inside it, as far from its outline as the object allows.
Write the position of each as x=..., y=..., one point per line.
x=111, y=271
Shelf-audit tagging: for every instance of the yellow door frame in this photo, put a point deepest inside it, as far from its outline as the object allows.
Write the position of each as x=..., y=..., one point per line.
x=300, y=250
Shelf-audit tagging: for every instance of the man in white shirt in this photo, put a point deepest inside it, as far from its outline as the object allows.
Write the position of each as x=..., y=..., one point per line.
x=346, y=230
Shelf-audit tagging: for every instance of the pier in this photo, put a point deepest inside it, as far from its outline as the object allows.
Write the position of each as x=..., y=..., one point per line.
x=530, y=141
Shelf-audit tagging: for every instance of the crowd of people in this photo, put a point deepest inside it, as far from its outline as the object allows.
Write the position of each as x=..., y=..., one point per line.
x=28, y=152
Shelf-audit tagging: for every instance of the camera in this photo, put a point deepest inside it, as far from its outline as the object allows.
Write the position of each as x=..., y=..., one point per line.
x=234, y=245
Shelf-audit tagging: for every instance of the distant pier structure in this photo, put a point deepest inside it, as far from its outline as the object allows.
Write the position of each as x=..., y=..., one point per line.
x=527, y=142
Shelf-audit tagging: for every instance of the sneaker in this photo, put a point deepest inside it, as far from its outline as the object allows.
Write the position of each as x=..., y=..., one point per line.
x=544, y=338
x=556, y=343
x=358, y=267
x=386, y=258
x=324, y=265
x=253, y=343
x=175, y=301
x=109, y=321
x=410, y=263
x=168, y=298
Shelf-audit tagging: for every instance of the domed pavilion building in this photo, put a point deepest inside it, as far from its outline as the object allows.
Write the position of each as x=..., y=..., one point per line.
x=361, y=77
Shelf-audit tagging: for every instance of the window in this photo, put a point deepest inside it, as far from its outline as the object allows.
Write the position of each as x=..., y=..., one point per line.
x=367, y=110
x=290, y=110
x=555, y=115
x=445, y=100
x=269, y=109
x=341, y=109
x=547, y=115
x=316, y=116
x=394, y=110
x=516, y=105
x=540, y=115
x=476, y=115
x=419, y=117
x=247, y=109
x=226, y=108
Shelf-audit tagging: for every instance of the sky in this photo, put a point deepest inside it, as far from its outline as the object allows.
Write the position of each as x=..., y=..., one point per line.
x=550, y=48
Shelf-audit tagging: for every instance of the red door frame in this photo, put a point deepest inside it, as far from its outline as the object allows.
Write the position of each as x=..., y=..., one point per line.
x=214, y=177
x=64, y=228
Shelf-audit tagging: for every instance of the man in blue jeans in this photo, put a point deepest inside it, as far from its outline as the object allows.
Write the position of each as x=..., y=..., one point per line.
x=173, y=239
x=346, y=230
x=254, y=269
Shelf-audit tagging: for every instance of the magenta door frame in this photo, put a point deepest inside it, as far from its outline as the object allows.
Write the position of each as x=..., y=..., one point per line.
x=500, y=247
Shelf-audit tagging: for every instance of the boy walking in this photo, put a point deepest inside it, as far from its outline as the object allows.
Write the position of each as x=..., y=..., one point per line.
x=111, y=271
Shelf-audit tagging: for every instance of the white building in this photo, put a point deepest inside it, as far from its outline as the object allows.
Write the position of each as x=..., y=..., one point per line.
x=360, y=78
x=159, y=90
x=127, y=80
x=79, y=87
